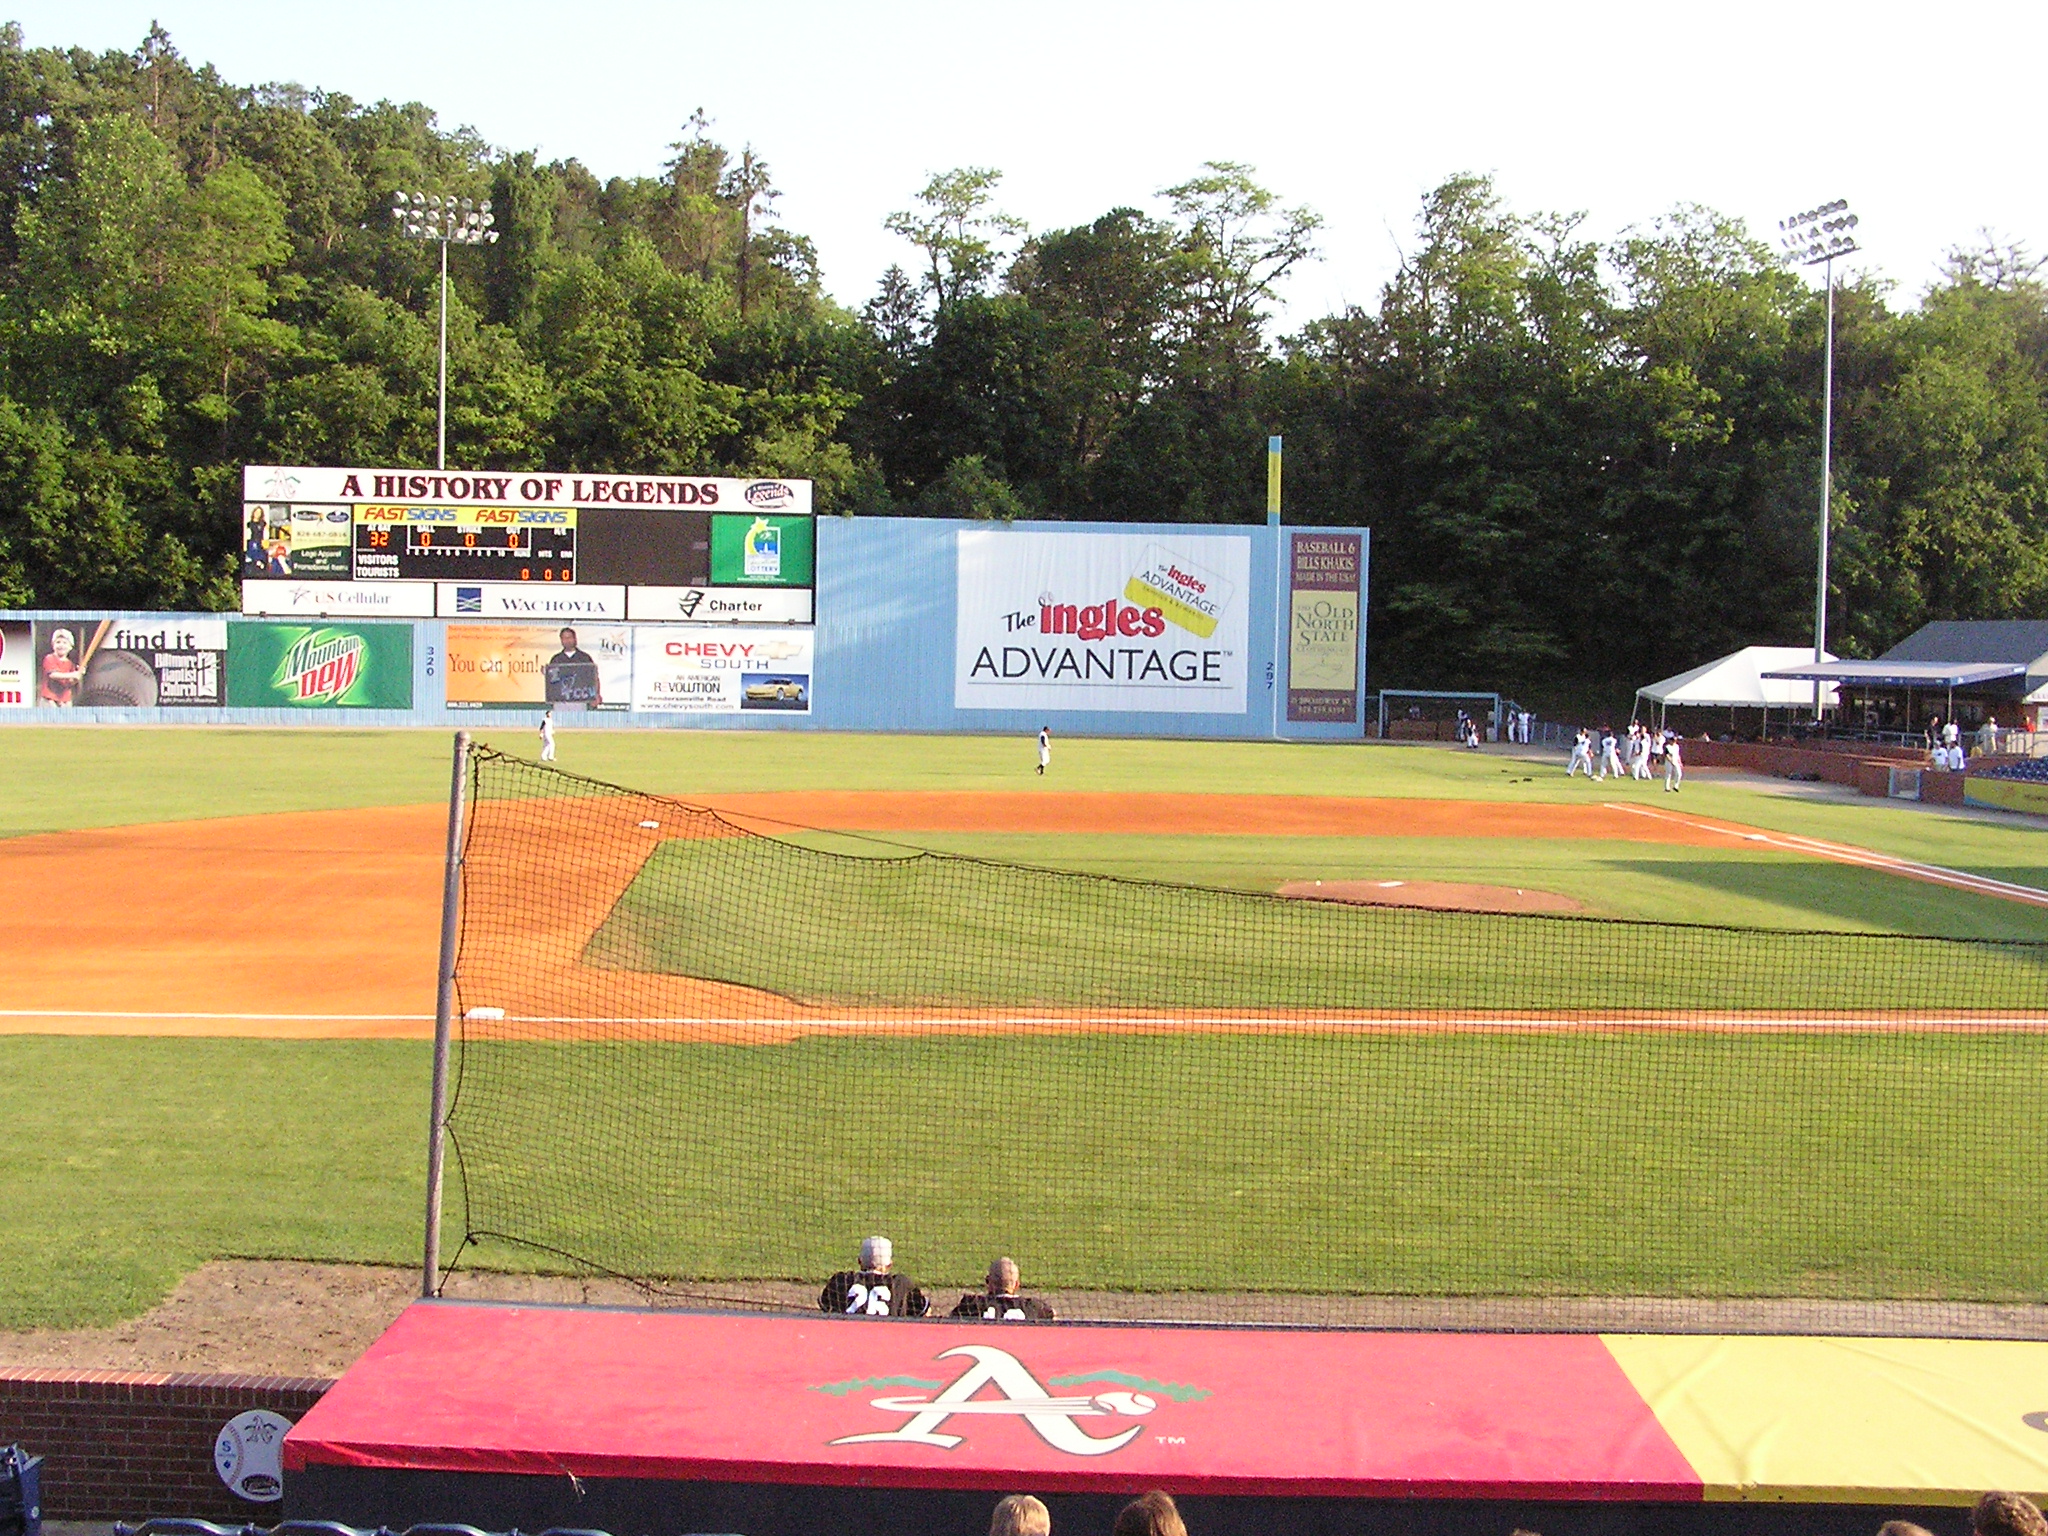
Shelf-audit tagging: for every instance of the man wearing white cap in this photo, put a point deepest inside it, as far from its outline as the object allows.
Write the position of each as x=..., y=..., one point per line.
x=875, y=1289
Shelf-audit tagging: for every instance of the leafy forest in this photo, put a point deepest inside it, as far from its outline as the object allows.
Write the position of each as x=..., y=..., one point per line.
x=1585, y=463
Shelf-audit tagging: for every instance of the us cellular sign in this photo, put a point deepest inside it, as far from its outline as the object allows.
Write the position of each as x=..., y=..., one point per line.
x=1101, y=621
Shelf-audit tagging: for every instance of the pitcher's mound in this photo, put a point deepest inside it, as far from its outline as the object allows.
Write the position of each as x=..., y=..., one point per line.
x=1443, y=894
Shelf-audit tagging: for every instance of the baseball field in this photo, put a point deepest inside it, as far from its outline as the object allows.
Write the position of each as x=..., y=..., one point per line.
x=219, y=969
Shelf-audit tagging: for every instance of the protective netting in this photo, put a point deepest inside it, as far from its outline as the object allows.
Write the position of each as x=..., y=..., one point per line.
x=695, y=1052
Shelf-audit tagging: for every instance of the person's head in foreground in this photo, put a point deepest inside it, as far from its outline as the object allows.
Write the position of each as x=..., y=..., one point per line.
x=1152, y=1515
x=1002, y=1277
x=876, y=1254
x=1902, y=1528
x=1021, y=1515
x=2007, y=1514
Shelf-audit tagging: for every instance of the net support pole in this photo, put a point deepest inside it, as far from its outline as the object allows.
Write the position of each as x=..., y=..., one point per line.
x=444, y=1013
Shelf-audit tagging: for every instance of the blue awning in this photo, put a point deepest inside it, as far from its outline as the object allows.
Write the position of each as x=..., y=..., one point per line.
x=1904, y=674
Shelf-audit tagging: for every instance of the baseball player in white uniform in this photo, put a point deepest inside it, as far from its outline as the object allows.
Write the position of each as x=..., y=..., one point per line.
x=1582, y=755
x=1610, y=760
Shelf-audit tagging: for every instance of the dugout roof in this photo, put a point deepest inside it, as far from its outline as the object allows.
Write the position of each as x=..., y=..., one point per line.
x=1884, y=673
x=1949, y=653
x=1742, y=680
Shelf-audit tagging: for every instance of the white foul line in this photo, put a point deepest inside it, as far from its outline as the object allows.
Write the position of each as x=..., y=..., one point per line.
x=254, y=1018
x=1866, y=858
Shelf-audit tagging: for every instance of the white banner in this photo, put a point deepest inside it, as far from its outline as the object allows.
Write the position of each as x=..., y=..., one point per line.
x=528, y=600
x=1110, y=621
x=17, y=664
x=348, y=599
x=718, y=605
x=719, y=670
x=295, y=483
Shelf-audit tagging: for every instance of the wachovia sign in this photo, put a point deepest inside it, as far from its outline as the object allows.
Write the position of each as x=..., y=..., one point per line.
x=1104, y=621
x=1064, y=1421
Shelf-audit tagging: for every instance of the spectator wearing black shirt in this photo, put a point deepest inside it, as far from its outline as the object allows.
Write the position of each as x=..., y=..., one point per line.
x=875, y=1289
x=1000, y=1301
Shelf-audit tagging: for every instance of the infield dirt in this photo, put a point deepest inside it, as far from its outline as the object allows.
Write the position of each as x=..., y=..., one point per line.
x=323, y=924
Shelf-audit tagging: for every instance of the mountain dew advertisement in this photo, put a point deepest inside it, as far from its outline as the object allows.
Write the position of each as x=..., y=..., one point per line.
x=761, y=550
x=320, y=666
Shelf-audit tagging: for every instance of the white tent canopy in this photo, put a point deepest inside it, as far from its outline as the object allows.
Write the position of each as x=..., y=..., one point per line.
x=1737, y=682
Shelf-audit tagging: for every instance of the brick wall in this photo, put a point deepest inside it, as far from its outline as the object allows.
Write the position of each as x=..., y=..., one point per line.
x=1941, y=788
x=1836, y=763
x=125, y=1445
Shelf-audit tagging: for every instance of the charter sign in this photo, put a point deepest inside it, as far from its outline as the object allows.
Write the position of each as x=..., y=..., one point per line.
x=1105, y=621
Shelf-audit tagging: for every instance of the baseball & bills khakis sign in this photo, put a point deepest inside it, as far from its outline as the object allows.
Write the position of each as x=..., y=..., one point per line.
x=1326, y=602
x=1139, y=622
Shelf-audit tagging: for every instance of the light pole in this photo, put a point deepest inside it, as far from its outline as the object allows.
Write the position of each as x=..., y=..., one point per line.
x=1814, y=239
x=451, y=221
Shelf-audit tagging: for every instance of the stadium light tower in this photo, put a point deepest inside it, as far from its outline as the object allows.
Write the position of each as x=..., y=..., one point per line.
x=451, y=221
x=1814, y=239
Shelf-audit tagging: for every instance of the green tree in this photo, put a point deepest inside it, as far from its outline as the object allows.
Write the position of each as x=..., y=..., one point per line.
x=959, y=230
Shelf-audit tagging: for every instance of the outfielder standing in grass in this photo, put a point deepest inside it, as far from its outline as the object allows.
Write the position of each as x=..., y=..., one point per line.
x=1674, y=764
x=547, y=737
x=1044, y=749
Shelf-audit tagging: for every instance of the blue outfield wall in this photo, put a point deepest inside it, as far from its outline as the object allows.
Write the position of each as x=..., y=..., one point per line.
x=888, y=599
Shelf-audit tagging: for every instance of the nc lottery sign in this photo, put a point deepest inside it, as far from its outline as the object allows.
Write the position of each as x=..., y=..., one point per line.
x=1135, y=623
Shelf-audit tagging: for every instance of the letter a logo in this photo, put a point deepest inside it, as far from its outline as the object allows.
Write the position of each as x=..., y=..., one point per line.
x=1053, y=1417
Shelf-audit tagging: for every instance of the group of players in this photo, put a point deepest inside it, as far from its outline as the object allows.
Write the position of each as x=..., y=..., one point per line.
x=1648, y=752
x=879, y=1289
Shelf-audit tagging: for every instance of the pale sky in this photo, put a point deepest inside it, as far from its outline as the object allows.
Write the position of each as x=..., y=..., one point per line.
x=1926, y=117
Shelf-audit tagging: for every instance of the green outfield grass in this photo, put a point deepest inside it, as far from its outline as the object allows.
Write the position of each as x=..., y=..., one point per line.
x=119, y=777
x=1471, y=1164
x=129, y=1162
x=1652, y=882
x=133, y=1160
x=935, y=932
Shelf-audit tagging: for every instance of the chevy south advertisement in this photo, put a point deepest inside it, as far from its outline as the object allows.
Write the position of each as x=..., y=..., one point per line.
x=704, y=671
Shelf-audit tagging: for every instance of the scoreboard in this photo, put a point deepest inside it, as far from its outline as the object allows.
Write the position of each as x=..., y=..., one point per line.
x=399, y=543
x=402, y=543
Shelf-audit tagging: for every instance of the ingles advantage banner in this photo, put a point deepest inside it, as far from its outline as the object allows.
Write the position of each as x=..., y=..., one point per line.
x=1136, y=622
x=320, y=666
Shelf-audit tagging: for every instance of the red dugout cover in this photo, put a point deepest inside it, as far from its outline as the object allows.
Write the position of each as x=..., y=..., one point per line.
x=463, y=1387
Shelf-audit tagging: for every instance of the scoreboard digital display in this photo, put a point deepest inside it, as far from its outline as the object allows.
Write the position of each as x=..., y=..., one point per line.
x=464, y=544
x=659, y=549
